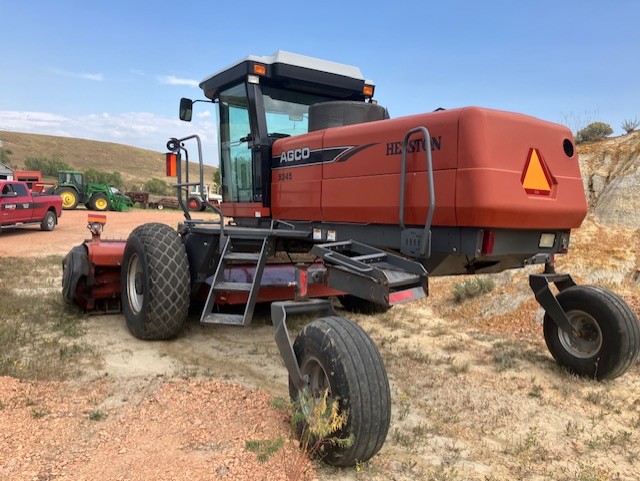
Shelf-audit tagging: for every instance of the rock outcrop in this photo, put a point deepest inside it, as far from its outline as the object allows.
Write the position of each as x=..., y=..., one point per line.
x=611, y=175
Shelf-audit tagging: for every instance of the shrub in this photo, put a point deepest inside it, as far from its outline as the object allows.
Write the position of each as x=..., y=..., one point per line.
x=472, y=288
x=158, y=186
x=630, y=125
x=593, y=131
x=4, y=157
x=47, y=166
x=113, y=179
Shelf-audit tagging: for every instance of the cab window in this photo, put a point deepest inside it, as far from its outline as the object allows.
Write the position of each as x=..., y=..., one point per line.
x=235, y=148
x=287, y=112
x=20, y=189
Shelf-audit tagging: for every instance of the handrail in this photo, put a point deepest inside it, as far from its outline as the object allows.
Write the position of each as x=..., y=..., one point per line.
x=175, y=145
x=425, y=243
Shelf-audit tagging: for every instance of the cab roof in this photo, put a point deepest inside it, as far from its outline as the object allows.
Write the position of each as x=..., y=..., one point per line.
x=293, y=72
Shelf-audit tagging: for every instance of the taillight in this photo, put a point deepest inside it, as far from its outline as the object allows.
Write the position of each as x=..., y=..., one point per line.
x=488, y=239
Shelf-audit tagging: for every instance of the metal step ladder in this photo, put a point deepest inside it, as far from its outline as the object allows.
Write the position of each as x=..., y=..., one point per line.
x=259, y=247
x=371, y=273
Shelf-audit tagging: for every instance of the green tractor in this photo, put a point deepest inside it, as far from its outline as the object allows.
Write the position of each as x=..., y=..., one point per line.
x=73, y=190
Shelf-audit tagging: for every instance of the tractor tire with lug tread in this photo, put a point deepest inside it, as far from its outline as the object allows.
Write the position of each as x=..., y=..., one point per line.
x=155, y=282
x=99, y=202
x=49, y=221
x=608, y=339
x=362, y=306
x=338, y=355
x=69, y=198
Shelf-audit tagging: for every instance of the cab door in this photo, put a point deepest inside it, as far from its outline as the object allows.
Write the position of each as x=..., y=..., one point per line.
x=8, y=205
x=24, y=203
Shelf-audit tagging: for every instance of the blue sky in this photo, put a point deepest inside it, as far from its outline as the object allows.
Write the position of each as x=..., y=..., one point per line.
x=115, y=70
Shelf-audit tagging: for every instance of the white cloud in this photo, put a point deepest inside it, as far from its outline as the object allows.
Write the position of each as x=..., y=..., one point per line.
x=204, y=115
x=140, y=129
x=97, y=77
x=171, y=80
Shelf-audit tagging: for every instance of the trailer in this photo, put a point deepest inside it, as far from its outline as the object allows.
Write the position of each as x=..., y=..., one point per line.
x=325, y=195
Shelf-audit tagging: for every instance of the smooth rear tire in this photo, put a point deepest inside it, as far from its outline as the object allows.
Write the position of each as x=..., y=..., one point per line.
x=338, y=355
x=607, y=341
x=155, y=282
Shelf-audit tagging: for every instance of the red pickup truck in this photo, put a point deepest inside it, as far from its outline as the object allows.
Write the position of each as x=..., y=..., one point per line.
x=18, y=206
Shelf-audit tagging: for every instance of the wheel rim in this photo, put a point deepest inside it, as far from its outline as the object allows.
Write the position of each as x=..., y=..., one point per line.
x=101, y=204
x=50, y=222
x=135, y=289
x=586, y=339
x=68, y=199
x=317, y=377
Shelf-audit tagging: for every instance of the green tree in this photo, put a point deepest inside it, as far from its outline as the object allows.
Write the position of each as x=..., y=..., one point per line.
x=47, y=166
x=158, y=186
x=593, y=131
x=216, y=178
x=4, y=157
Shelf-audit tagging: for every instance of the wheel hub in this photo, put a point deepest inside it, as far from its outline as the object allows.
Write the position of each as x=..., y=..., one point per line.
x=586, y=339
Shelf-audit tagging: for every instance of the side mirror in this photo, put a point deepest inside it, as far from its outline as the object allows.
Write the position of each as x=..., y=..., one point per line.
x=186, y=109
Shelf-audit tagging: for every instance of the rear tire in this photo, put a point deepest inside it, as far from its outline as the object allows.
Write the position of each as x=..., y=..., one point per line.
x=194, y=204
x=608, y=339
x=155, y=282
x=99, y=202
x=363, y=306
x=338, y=355
x=69, y=197
x=49, y=221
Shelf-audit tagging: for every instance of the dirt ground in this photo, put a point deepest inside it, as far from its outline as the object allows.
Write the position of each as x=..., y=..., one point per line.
x=475, y=393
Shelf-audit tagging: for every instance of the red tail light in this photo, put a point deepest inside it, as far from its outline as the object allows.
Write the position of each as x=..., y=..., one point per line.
x=488, y=239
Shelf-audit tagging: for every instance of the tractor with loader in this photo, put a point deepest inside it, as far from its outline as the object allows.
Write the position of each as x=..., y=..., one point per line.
x=74, y=190
x=325, y=195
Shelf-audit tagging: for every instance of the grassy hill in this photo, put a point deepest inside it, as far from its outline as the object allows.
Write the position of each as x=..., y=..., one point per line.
x=135, y=165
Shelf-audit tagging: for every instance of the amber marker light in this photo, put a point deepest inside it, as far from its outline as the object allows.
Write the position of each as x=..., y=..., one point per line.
x=259, y=69
x=368, y=91
x=172, y=164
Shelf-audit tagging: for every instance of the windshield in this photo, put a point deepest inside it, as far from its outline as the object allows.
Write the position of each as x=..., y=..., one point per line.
x=287, y=112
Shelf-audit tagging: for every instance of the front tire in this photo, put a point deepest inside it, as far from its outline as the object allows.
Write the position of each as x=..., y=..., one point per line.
x=49, y=221
x=155, y=282
x=337, y=355
x=607, y=341
x=194, y=204
x=99, y=202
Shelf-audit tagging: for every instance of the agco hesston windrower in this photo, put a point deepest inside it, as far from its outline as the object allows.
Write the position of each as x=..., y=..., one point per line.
x=314, y=169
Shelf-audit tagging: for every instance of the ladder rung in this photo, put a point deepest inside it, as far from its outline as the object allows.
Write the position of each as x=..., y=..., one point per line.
x=233, y=287
x=242, y=256
x=227, y=319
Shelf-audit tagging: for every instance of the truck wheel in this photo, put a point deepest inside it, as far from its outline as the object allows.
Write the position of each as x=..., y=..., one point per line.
x=155, y=282
x=363, y=306
x=49, y=221
x=69, y=198
x=194, y=204
x=337, y=355
x=607, y=341
x=160, y=207
x=99, y=202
